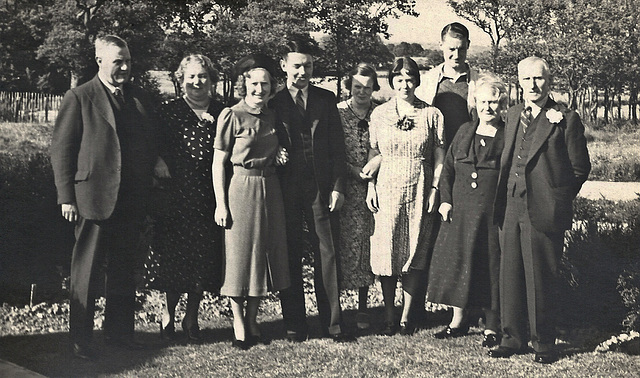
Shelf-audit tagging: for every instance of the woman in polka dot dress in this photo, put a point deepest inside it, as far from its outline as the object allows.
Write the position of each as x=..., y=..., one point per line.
x=186, y=251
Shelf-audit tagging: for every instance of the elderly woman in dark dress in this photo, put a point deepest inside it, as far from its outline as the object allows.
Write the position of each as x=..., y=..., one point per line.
x=186, y=253
x=251, y=206
x=466, y=259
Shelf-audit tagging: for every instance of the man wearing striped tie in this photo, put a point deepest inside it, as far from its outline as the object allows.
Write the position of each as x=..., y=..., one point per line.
x=543, y=166
x=313, y=187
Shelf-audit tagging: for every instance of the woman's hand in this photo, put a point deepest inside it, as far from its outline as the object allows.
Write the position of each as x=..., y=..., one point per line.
x=222, y=217
x=370, y=170
x=445, y=211
x=433, y=194
x=161, y=170
x=372, y=198
x=282, y=157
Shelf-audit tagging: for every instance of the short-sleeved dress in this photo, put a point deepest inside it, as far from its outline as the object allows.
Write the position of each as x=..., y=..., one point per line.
x=356, y=220
x=255, y=258
x=403, y=231
x=465, y=266
x=186, y=250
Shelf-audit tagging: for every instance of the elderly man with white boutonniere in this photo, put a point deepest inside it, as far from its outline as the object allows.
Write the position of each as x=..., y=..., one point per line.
x=543, y=166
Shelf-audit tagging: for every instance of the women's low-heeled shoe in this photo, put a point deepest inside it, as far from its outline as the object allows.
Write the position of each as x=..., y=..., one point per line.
x=258, y=339
x=489, y=340
x=407, y=329
x=240, y=344
x=167, y=333
x=450, y=332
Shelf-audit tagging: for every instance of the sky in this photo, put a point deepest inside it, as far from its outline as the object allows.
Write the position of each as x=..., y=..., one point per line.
x=425, y=29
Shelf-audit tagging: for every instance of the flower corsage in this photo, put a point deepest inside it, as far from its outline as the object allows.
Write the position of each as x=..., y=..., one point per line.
x=554, y=116
x=206, y=119
x=405, y=123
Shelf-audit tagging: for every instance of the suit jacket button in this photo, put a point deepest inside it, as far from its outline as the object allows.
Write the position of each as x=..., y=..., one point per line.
x=474, y=175
x=474, y=185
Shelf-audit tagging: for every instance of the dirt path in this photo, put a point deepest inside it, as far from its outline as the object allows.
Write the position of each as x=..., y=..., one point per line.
x=615, y=191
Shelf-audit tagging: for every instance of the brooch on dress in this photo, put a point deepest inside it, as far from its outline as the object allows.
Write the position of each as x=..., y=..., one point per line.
x=405, y=123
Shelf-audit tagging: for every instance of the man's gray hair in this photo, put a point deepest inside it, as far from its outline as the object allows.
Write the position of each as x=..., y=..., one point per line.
x=109, y=40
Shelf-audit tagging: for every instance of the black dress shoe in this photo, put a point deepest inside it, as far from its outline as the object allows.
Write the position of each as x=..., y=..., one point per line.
x=390, y=329
x=448, y=332
x=83, y=352
x=297, y=336
x=126, y=342
x=258, y=339
x=547, y=357
x=342, y=337
x=489, y=340
x=407, y=329
x=504, y=352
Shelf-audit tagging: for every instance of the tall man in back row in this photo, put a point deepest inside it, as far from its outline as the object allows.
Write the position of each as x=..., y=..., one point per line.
x=543, y=166
x=103, y=155
x=313, y=187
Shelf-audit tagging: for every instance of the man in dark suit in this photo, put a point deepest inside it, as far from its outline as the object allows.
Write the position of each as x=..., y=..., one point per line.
x=313, y=187
x=102, y=155
x=543, y=166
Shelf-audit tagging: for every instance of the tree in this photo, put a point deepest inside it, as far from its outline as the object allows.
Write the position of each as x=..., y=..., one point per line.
x=353, y=27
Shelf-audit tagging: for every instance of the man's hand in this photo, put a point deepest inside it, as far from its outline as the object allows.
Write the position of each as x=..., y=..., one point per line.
x=445, y=210
x=70, y=212
x=336, y=201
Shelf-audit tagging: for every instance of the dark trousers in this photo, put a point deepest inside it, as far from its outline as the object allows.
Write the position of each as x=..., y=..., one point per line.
x=528, y=279
x=302, y=202
x=103, y=247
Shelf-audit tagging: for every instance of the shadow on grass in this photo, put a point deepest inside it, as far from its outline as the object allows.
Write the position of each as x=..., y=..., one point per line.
x=50, y=354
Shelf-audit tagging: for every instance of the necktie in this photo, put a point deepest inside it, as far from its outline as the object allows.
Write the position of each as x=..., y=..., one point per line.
x=300, y=103
x=119, y=96
x=525, y=118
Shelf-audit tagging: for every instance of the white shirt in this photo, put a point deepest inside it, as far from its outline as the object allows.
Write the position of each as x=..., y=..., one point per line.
x=535, y=108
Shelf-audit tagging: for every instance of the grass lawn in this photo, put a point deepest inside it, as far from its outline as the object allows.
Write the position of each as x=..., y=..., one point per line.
x=420, y=355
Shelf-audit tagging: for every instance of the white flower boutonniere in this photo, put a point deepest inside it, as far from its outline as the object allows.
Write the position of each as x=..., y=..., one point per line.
x=554, y=116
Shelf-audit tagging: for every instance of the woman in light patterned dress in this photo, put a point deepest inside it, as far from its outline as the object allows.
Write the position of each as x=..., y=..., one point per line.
x=356, y=221
x=407, y=135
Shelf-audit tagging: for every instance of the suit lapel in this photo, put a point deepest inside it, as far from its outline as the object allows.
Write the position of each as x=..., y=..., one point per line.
x=98, y=97
x=511, y=129
x=314, y=109
x=543, y=129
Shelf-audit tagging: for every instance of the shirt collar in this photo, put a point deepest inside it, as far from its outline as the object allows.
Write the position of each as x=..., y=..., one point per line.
x=453, y=75
x=294, y=92
x=535, y=108
x=110, y=87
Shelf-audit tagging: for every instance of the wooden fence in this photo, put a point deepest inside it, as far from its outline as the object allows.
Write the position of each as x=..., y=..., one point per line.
x=28, y=107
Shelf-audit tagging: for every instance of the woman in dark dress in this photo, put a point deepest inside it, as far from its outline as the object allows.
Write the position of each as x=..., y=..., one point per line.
x=250, y=207
x=356, y=221
x=186, y=251
x=465, y=265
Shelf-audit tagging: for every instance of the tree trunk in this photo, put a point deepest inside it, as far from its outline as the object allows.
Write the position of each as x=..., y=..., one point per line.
x=620, y=105
x=73, y=82
x=606, y=105
x=633, y=101
x=593, y=103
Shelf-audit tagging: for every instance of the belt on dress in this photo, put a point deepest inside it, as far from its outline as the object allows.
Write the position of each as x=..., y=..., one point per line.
x=264, y=172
